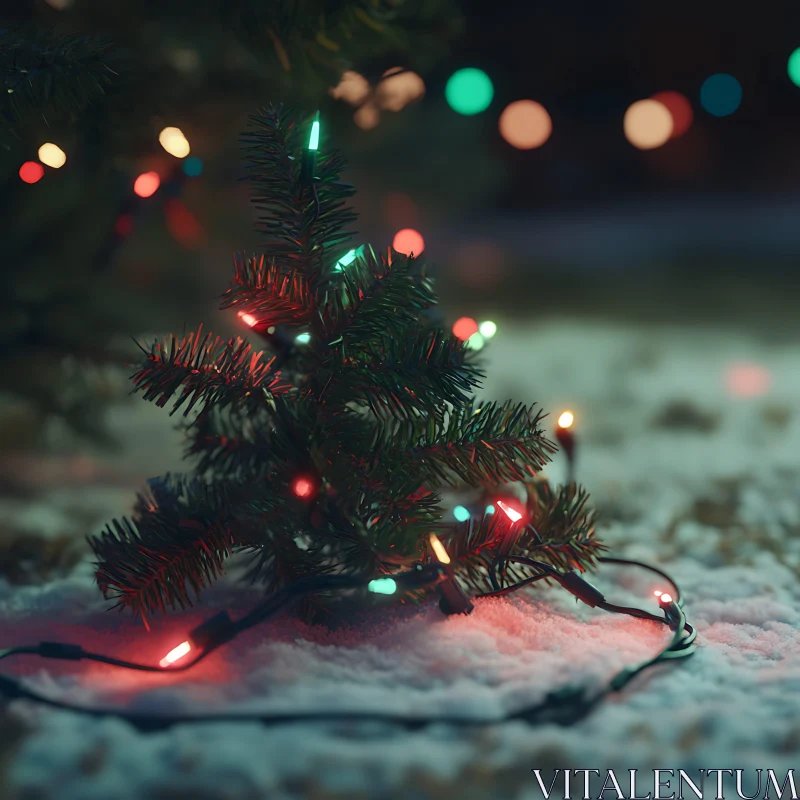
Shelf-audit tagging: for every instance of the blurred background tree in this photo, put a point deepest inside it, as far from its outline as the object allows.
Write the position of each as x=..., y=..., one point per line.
x=83, y=251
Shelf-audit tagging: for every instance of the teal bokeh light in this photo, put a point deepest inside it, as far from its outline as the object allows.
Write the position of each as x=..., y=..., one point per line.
x=469, y=91
x=721, y=94
x=193, y=166
x=793, y=67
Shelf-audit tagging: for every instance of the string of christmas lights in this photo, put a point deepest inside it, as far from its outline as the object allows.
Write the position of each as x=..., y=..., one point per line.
x=563, y=706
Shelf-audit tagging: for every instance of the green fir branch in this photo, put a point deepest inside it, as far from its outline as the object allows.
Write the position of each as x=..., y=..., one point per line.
x=175, y=547
x=44, y=72
x=207, y=369
x=373, y=299
x=300, y=222
x=419, y=374
x=270, y=295
x=493, y=443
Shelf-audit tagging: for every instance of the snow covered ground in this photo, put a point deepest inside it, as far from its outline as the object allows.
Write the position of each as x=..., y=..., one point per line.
x=689, y=441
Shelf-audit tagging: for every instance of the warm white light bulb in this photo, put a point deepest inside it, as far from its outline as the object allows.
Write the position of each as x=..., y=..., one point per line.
x=174, y=142
x=51, y=155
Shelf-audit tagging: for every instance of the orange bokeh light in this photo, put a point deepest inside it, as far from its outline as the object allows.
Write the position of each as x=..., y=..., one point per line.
x=647, y=124
x=408, y=241
x=147, y=184
x=525, y=124
x=31, y=172
x=464, y=328
x=679, y=108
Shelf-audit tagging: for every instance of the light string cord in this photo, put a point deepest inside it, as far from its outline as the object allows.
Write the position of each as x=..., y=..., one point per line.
x=562, y=706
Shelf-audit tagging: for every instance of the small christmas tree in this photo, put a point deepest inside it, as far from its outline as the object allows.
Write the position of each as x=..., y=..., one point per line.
x=330, y=455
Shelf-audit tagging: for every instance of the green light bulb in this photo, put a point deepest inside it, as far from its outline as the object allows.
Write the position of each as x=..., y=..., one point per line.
x=461, y=513
x=348, y=258
x=313, y=139
x=382, y=586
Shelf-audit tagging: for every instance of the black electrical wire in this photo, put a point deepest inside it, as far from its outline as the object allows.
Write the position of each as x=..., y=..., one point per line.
x=563, y=706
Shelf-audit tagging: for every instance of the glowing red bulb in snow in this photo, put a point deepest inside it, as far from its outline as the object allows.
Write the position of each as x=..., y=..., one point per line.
x=303, y=487
x=665, y=598
x=176, y=653
x=511, y=513
x=658, y=592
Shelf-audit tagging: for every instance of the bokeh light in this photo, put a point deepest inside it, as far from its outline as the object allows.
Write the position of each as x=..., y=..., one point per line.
x=469, y=91
x=647, y=124
x=353, y=88
x=302, y=487
x=398, y=88
x=400, y=211
x=793, y=67
x=721, y=94
x=476, y=342
x=487, y=329
x=480, y=264
x=461, y=513
x=193, y=167
x=146, y=185
x=525, y=124
x=747, y=379
x=52, y=155
x=124, y=225
x=302, y=338
x=566, y=419
x=367, y=117
x=174, y=142
x=408, y=241
x=680, y=108
x=183, y=225
x=31, y=172
x=464, y=328
x=489, y=509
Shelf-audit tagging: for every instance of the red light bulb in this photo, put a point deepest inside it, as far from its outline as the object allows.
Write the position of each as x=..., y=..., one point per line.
x=175, y=654
x=303, y=487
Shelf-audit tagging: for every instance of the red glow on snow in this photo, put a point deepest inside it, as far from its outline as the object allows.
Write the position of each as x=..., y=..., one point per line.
x=146, y=185
x=665, y=598
x=31, y=172
x=747, y=380
x=183, y=225
x=511, y=513
x=302, y=487
x=464, y=328
x=408, y=241
x=680, y=108
x=248, y=319
x=178, y=652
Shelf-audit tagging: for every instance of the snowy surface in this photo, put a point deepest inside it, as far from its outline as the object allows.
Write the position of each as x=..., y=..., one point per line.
x=689, y=441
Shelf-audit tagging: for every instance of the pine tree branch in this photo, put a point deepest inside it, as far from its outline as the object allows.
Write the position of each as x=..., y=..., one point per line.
x=230, y=442
x=207, y=369
x=373, y=299
x=300, y=222
x=418, y=374
x=44, y=72
x=174, y=548
x=495, y=443
x=273, y=297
